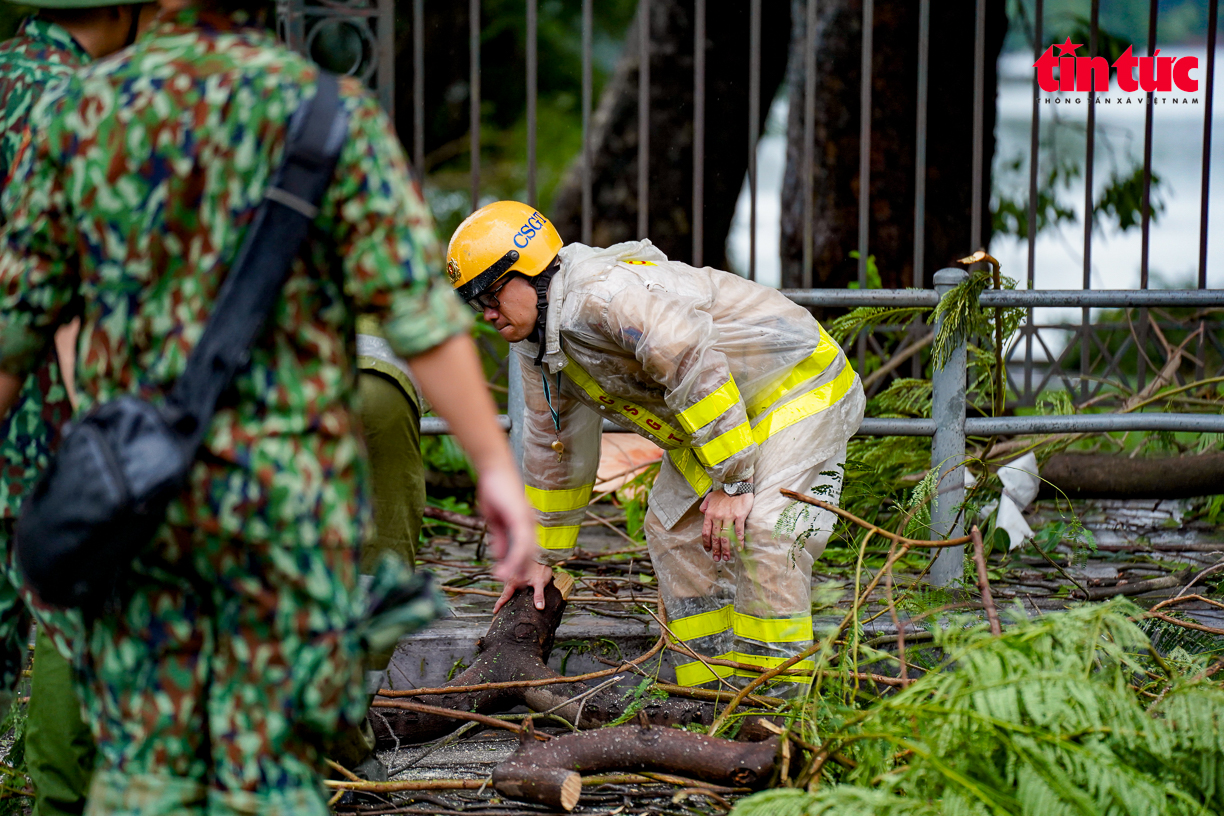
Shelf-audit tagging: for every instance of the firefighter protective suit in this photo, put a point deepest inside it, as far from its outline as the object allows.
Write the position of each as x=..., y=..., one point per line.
x=735, y=382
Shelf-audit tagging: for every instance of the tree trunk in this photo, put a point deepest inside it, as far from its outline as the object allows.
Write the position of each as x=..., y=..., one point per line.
x=1107, y=476
x=614, y=138
x=547, y=772
x=516, y=648
x=893, y=119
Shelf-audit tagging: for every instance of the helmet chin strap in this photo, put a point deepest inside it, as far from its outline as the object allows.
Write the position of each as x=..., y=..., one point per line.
x=541, y=283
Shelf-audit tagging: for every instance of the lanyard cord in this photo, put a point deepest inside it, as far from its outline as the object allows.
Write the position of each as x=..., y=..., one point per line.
x=548, y=396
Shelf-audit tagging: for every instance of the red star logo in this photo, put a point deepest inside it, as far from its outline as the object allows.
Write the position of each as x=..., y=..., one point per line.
x=1067, y=47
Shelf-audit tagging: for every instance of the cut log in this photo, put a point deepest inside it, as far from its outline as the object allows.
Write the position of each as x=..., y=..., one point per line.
x=1106, y=476
x=516, y=648
x=548, y=772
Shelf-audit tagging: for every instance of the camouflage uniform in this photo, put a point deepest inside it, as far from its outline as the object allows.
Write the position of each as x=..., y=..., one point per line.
x=40, y=54
x=234, y=654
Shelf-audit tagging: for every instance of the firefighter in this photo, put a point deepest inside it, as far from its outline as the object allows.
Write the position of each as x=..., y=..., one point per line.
x=742, y=388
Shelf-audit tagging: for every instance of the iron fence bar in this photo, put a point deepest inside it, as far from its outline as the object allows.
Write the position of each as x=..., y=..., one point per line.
x=643, y=191
x=587, y=91
x=1104, y=298
x=533, y=65
x=418, y=86
x=1146, y=205
x=1034, y=155
x=1145, y=210
x=1212, y=22
x=853, y=298
x=920, y=142
x=1085, y=346
x=1018, y=298
x=975, y=426
x=754, y=126
x=699, y=69
x=979, y=112
x=474, y=95
x=864, y=197
x=809, y=136
x=948, y=386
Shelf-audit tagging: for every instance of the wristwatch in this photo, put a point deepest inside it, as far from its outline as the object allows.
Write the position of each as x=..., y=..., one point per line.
x=738, y=488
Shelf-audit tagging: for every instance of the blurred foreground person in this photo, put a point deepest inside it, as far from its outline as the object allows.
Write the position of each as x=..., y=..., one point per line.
x=741, y=387
x=231, y=658
x=59, y=750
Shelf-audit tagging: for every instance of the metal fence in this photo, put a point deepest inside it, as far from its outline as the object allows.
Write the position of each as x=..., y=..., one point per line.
x=1082, y=363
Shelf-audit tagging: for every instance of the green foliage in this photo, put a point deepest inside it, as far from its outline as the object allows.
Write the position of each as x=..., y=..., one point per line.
x=964, y=318
x=1010, y=213
x=1064, y=714
x=13, y=767
x=442, y=454
x=873, y=272
x=637, y=491
x=1122, y=199
x=846, y=327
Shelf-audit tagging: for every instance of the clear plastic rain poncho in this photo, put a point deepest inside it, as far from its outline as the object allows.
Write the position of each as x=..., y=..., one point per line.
x=730, y=378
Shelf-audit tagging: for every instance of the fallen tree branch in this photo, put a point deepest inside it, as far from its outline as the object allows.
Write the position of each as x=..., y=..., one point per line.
x=1211, y=630
x=979, y=558
x=899, y=539
x=1180, y=599
x=1177, y=579
x=457, y=519
x=450, y=713
x=1110, y=476
x=548, y=773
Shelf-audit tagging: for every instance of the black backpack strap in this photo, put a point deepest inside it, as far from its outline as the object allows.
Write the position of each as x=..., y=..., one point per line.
x=315, y=138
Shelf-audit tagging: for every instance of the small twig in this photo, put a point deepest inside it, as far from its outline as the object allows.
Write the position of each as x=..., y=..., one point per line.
x=1180, y=599
x=899, y=539
x=710, y=695
x=896, y=619
x=336, y=766
x=1214, y=568
x=451, y=517
x=979, y=558
x=420, y=708
x=404, y=785
x=1062, y=571
x=449, y=739
x=1211, y=630
x=611, y=527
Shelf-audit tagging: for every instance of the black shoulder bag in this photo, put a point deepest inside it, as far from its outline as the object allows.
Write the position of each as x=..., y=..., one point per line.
x=105, y=493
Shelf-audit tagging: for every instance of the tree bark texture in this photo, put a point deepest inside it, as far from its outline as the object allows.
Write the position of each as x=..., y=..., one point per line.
x=1106, y=476
x=547, y=772
x=893, y=138
x=515, y=648
x=614, y=138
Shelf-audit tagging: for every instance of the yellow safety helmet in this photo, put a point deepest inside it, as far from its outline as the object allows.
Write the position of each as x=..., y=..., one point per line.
x=497, y=239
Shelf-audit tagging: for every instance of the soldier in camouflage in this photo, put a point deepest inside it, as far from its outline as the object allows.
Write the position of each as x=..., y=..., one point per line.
x=233, y=657
x=59, y=749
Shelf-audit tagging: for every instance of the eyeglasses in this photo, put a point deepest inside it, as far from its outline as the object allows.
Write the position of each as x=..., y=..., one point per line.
x=488, y=299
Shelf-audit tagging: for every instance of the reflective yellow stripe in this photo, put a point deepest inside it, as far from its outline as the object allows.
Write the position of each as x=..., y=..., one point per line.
x=694, y=674
x=825, y=355
x=555, y=501
x=691, y=470
x=702, y=624
x=725, y=446
x=813, y=402
x=710, y=407
x=557, y=538
x=665, y=434
x=773, y=630
x=770, y=662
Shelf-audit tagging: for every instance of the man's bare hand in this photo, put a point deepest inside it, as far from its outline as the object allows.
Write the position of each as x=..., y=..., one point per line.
x=537, y=576
x=511, y=521
x=723, y=515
